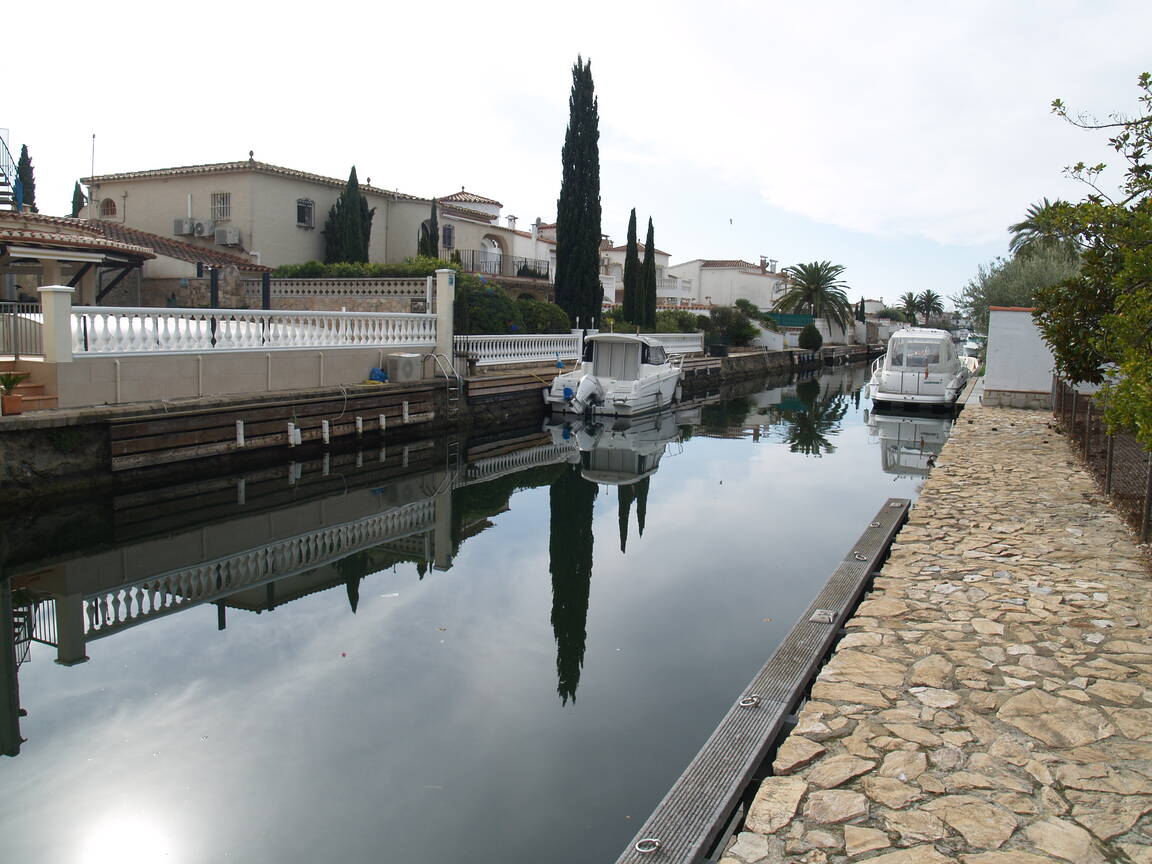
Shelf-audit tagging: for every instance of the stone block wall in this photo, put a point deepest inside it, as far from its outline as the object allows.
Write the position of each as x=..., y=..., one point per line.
x=1029, y=400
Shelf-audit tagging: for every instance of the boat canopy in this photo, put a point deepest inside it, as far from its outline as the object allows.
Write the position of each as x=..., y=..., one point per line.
x=920, y=350
x=619, y=355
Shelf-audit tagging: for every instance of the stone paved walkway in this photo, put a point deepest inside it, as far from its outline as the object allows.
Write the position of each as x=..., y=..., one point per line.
x=991, y=702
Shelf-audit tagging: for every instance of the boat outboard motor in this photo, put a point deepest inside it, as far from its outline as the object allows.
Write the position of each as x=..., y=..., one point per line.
x=589, y=393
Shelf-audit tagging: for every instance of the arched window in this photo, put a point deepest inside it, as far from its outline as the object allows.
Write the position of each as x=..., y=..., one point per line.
x=107, y=208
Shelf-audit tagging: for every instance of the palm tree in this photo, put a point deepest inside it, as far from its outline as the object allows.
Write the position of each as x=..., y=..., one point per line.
x=818, y=290
x=909, y=305
x=929, y=303
x=1040, y=228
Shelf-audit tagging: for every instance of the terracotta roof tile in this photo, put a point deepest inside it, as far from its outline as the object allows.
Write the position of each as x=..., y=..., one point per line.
x=245, y=165
x=466, y=213
x=59, y=233
x=735, y=264
x=177, y=249
x=469, y=198
x=639, y=246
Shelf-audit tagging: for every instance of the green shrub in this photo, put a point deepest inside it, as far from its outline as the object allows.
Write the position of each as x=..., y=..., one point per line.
x=542, y=317
x=408, y=268
x=483, y=308
x=676, y=321
x=810, y=338
x=730, y=326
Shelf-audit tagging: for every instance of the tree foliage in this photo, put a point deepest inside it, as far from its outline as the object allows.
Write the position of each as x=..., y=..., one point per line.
x=1014, y=281
x=818, y=290
x=929, y=304
x=910, y=306
x=79, y=199
x=728, y=325
x=349, y=225
x=631, y=308
x=542, y=317
x=26, y=176
x=1099, y=322
x=578, y=289
x=648, y=280
x=428, y=245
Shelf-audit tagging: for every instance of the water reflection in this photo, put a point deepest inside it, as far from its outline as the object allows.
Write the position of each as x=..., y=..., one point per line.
x=909, y=444
x=448, y=686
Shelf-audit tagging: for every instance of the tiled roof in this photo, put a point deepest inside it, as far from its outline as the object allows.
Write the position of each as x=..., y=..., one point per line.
x=639, y=246
x=469, y=198
x=246, y=165
x=465, y=213
x=68, y=239
x=177, y=249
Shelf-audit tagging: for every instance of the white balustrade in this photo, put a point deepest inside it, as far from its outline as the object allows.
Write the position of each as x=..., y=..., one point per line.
x=123, y=330
x=390, y=288
x=513, y=348
x=127, y=605
x=679, y=343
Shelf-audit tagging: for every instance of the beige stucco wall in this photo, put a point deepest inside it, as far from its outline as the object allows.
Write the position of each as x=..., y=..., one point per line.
x=263, y=207
x=116, y=380
x=727, y=285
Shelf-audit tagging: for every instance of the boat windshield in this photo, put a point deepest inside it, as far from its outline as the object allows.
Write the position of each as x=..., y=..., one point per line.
x=654, y=354
x=919, y=354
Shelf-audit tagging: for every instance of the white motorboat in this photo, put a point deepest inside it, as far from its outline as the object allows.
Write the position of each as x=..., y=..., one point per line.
x=921, y=367
x=619, y=374
x=973, y=344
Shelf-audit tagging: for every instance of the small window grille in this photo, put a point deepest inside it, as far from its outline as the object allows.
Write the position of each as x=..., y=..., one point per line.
x=449, y=235
x=221, y=206
x=305, y=209
x=107, y=208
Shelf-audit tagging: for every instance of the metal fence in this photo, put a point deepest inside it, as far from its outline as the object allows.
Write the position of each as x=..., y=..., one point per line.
x=21, y=325
x=1119, y=462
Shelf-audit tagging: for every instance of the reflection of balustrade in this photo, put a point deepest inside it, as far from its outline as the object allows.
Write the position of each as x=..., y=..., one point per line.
x=119, y=330
x=483, y=470
x=128, y=605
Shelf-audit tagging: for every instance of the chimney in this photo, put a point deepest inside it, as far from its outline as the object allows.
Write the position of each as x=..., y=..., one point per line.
x=511, y=223
x=536, y=228
x=763, y=264
x=772, y=265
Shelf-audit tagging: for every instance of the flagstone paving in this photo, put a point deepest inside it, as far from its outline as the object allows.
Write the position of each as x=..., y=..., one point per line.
x=991, y=701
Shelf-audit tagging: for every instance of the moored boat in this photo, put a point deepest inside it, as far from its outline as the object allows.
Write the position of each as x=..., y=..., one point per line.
x=920, y=367
x=619, y=375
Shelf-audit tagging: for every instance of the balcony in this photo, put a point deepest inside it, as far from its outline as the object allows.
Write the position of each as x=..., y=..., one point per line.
x=667, y=288
x=494, y=264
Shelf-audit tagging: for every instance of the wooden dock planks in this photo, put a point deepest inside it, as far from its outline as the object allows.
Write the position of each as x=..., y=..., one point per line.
x=689, y=821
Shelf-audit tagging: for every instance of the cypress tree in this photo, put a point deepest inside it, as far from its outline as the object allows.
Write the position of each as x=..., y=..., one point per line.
x=79, y=199
x=26, y=177
x=349, y=225
x=578, y=290
x=631, y=309
x=648, y=281
x=429, y=245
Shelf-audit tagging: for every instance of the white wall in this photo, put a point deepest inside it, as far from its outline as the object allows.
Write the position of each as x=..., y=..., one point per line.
x=1018, y=360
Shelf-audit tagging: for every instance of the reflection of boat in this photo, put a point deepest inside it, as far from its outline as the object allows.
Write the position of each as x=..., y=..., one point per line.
x=622, y=451
x=619, y=374
x=920, y=367
x=909, y=445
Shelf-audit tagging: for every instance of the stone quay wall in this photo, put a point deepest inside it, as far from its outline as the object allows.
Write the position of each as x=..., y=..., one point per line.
x=991, y=701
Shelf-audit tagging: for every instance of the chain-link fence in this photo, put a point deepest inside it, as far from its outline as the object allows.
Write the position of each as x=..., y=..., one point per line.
x=1119, y=462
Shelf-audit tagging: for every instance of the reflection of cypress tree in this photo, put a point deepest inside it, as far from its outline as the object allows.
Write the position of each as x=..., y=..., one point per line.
x=642, y=503
x=570, y=562
x=625, y=496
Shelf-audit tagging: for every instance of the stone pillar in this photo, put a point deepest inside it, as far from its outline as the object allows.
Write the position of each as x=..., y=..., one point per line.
x=56, y=303
x=70, y=645
x=445, y=302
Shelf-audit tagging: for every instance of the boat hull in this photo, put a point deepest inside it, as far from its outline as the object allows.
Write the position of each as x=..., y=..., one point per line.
x=620, y=398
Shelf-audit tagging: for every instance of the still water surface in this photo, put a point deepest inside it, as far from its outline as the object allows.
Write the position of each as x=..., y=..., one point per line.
x=498, y=665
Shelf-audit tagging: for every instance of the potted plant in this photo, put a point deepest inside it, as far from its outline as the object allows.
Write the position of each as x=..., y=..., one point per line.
x=11, y=402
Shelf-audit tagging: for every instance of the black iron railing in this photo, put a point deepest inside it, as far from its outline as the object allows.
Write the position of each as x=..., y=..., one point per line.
x=494, y=264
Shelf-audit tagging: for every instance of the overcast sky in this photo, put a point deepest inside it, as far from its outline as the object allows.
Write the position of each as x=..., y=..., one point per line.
x=896, y=138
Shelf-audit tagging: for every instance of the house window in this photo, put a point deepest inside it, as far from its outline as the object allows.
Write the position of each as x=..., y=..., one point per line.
x=449, y=234
x=221, y=206
x=305, y=208
x=107, y=208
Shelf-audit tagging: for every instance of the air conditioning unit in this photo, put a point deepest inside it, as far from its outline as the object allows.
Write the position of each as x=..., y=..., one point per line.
x=202, y=228
x=183, y=226
x=404, y=367
x=229, y=235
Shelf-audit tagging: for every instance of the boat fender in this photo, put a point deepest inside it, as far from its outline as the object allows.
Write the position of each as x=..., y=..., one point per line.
x=568, y=394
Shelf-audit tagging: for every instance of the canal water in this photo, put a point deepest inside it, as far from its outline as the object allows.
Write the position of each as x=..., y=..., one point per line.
x=379, y=656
